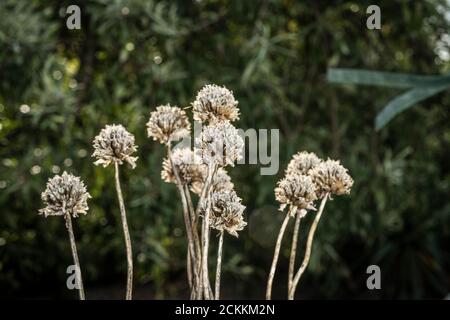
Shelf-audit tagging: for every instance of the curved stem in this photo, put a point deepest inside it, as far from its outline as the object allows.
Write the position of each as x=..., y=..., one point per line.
x=193, y=225
x=218, y=266
x=187, y=221
x=189, y=270
x=73, y=248
x=205, y=233
x=298, y=218
x=275, y=257
x=126, y=234
x=309, y=242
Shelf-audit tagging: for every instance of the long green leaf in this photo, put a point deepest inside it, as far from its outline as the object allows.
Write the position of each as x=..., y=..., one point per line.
x=405, y=101
x=380, y=78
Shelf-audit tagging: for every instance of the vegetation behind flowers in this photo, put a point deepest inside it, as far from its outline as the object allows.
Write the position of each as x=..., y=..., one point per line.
x=59, y=88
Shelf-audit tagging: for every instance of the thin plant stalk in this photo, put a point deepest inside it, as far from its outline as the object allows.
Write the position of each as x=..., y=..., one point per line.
x=292, y=257
x=205, y=251
x=73, y=248
x=189, y=270
x=275, y=257
x=205, y=233
x=309, y=242
x=197, y=247
x=186, y=216
x=126, y=234
x=218, y=267
x=191, y=206
x=193, y=224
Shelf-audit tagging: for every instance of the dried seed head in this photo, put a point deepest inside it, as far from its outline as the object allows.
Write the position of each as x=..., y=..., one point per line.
x=331, y=177
x=65, y=194
x=221, y=181
x=214, y=103
x=114, y=144
x=297, y=190
x=227, y=212
x=189, y=168
x=168, y=124
x=219, y=144
x=302, y=162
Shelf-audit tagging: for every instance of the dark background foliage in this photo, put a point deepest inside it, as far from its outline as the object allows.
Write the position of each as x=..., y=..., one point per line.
x=59, y=87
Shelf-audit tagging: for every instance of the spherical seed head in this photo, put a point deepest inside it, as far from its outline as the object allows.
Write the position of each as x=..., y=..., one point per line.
x=65, y=194
x=297, y=190
x=221, y=181
x=168, y=124
x=114, y=144
x=219, y=144
x=187, y=164
x=331, y=177
x=227, y=212
x=214, y=103
x=302, y=162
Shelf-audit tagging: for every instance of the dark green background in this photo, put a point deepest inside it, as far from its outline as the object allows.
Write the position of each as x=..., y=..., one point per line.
x=274, y=56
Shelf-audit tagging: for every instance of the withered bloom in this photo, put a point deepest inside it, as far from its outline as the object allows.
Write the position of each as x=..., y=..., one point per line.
x=168, y=124
x=227, y=212
x=302, y=162
x=189, y=168
x=331, y=177
x=214, y=103
x=297, y=190
x=114, y=144
x=221, y=181
x=220, y=144
x=65, y=194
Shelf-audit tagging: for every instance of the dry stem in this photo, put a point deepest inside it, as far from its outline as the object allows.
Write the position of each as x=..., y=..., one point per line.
x=126, y=234
x=205, y=232
x=187, y=221
x=218, y=266
x=73, y=248
x=275, y=257
x=294, y=248
x=309, y=242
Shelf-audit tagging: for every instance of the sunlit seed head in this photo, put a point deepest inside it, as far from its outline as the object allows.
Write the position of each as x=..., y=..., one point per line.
x=168, y=124
x=214, y=103
x=330, y=177
x=297, y=190
x=226, y=212
x=65, y=194
x=114, y=144
x=302, y=162
x=219, y=144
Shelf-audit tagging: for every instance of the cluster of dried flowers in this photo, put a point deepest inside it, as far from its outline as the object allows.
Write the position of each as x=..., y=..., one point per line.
x=201, y=171
x=66, y=195
x=307, y=179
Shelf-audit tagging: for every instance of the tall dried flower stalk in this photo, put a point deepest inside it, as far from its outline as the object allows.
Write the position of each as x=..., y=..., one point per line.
x=276, y=254
x=298, y=217
x=66, y=196
x=202, y=172
x=226, y=214
x=307, y=179
x=219, y=145
x=218, y=267
x=169, y=124
x=115, y=145
x=330, y=178
x=193, y=245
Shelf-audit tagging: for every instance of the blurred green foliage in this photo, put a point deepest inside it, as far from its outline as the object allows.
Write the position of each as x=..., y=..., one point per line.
x=59, y=87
